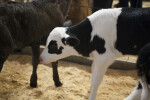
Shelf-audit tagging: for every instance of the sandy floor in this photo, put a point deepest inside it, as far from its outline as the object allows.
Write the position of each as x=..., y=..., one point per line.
x=15, y=76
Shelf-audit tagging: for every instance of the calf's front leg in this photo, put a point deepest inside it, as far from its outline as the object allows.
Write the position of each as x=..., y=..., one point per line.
x=99, y=68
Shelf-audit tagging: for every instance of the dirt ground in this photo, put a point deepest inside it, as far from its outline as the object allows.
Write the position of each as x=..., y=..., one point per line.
x=15, y=77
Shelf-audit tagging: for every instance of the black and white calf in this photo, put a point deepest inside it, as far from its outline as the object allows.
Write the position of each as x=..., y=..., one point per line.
x=104, y=36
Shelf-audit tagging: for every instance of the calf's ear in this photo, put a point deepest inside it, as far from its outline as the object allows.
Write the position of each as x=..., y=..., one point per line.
x=72, y=41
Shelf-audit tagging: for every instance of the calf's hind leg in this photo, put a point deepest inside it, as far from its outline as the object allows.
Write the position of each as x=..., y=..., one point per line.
x=99, y=67
x=35, y=62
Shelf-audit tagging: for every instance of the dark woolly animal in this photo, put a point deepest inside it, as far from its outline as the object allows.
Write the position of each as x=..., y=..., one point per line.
x=28, y=24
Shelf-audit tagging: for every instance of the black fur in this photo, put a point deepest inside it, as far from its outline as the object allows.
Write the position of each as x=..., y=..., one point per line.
x=83, y=32
x=133, y=33
x=29, y=24
x=52, y=47
x=133, y=30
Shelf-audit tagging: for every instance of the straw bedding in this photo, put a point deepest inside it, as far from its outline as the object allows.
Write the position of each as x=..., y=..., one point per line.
x=14, y=82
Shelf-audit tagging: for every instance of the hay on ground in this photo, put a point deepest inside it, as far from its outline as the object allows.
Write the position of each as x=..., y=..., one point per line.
x=15, y=77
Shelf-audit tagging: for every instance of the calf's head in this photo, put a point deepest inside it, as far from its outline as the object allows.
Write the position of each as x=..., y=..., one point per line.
x=59, y=45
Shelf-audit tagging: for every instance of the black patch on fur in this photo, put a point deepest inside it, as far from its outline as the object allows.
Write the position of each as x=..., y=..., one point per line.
x=82, y=31
x=98, y=44
x=53, y=48
x=133, y=30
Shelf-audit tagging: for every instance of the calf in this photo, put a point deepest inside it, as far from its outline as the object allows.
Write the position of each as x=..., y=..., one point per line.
x=104, y=36
x=29, y=24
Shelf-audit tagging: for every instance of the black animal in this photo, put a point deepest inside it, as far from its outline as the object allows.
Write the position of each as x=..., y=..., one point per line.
x=29, y=24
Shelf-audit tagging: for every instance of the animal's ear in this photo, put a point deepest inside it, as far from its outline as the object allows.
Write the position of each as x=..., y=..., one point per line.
x=72, y=41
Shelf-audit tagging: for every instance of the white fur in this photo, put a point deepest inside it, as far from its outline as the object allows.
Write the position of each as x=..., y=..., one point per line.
x=109, y=34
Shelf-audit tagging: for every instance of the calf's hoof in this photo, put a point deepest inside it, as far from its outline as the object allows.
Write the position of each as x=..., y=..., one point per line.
x=34, y=85
x=33, y=80
x=58, y=84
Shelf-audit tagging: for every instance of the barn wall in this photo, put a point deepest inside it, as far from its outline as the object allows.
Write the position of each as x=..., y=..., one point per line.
x=79, y=10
